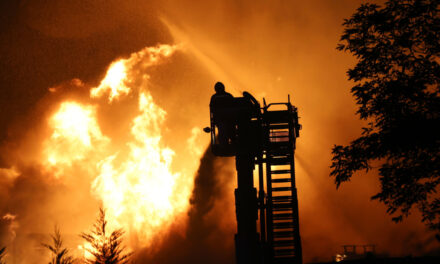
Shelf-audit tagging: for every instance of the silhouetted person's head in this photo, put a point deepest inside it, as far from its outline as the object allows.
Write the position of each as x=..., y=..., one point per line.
x=219, y=87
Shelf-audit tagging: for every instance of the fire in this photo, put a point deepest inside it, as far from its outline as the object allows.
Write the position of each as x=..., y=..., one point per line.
x=136, y=185
x=113, y=82
x=75, y=132
x=141, y=190
x=86, y=248
x=120, y=74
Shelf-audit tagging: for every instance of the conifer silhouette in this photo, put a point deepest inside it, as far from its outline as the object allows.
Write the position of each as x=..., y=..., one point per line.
x=105, y=249
x=60, y=255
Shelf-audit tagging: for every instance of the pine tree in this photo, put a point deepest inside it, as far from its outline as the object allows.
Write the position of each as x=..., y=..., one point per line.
x=106, y=249
x=59, y=254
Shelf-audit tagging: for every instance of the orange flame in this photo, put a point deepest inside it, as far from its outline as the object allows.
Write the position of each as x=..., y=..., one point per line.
x=113, y=82
x=75, y=134
x=142, y=190
x=120, y=74
x=139, y=190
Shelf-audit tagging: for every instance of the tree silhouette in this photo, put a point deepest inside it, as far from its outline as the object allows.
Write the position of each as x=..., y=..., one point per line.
x=106, y=249
x=2, y=255
x=397, y=80
x=59, y=253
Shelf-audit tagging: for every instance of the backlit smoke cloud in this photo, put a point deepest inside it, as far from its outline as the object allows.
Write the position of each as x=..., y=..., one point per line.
x=55, y=53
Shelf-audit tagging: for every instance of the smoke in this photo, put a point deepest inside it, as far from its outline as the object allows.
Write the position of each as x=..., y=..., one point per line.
x=275, y=49
x=34, y=204
x=46, y=43
x=269, y=48
x=209, y=234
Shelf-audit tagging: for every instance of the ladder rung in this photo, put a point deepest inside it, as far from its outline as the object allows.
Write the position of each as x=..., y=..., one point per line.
x=286, y=202
x=284, y=243
x=280, y=136
x=281, y=189
x=283, y=225
x=277, y=121
x=285, y=259
x=282, y=207
x=281, y=180
x=279, y=126
x=277, y=144
x=277, y=156
x=280, y=171
x=284, y=216
x=283, y=198
x=283, y=234
x=279, y=150
x=284, y=251
x=285, y=146
x=279, y=139
x=284, y=256
x=282, y=204
x=280, y=161
x=286, y=206
x=281, y=210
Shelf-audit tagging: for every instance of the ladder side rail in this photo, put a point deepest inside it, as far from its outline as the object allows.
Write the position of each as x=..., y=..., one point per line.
x=269, y=208
x=292, y=131
x=269, y=201
x=297, y=237
x=261, y=197
x=292, y=139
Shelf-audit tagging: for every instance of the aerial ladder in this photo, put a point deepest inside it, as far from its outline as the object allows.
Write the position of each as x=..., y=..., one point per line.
x=262, y=137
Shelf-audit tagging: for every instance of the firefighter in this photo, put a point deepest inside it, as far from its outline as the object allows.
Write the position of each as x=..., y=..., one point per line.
x=219, y=93
x=222, y=99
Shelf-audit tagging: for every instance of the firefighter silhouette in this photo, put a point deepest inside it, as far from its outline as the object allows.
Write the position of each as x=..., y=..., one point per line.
x=224, y=122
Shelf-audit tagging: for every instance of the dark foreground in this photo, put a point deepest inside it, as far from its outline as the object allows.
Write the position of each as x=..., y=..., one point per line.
x=401, y=260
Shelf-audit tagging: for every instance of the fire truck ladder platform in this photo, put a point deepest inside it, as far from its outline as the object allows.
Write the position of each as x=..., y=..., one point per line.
x=283, y=236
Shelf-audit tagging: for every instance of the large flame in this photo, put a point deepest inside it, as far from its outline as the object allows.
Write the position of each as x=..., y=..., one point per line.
x=142, y=189
x=75, y=134
x=137, y=187
x=113, y=82
x=120, y=75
